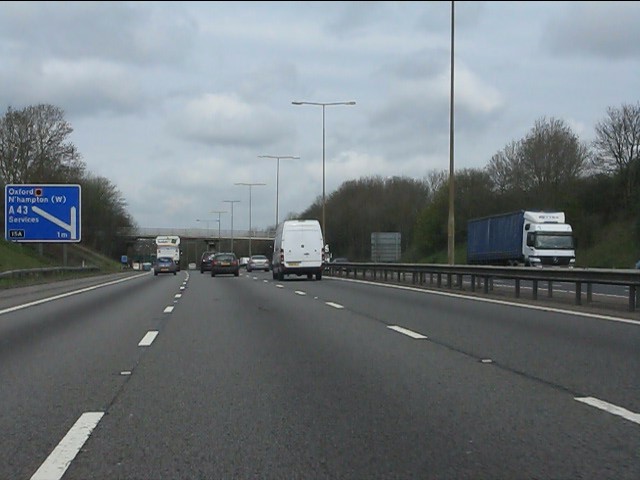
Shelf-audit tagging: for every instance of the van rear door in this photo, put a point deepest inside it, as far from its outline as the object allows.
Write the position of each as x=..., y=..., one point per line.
x=302, y=247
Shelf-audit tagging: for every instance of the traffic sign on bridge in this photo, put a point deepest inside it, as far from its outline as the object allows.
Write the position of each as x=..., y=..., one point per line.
x=42, y=213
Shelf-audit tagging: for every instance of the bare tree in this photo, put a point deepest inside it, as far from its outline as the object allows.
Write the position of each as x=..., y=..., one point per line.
x=617, y=146
x=552, y=156
x=505, y=169
x=34, y=147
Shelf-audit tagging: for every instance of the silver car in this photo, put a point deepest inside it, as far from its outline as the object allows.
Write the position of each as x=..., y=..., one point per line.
x=165, y=265
x=258, y=262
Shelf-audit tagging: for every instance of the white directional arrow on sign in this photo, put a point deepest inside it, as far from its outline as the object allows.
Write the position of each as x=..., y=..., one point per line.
x=69, y=227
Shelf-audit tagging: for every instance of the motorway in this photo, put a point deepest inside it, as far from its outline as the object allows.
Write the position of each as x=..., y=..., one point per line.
x=133, y=376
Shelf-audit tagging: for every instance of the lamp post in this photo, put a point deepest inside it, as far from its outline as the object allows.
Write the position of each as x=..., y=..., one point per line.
x=451, y=249
x=323, y=105
x=207, y=222
x=219, y=212
x=250, y=185
x=231, y=202
x=278, y=157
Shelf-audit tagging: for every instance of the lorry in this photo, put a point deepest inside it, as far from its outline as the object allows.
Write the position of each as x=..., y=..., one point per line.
x=298, y=249
x=169, y=246
x=524, y=237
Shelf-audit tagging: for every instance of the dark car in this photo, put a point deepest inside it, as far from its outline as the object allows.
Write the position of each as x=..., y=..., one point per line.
x=225, y=263
x=165, y=265
x=205, y=261
x=258, y=262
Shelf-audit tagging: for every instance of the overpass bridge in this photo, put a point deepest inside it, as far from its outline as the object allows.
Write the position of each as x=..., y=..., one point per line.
x=195, y=241
x=201, y=233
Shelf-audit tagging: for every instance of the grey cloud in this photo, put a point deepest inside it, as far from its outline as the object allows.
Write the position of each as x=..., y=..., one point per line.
x=596, y=29
x=106, y=30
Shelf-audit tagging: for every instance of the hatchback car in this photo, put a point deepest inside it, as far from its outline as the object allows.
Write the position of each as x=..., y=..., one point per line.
x=258, y=262
x=205, y=261
x=165, y=265
x=225, y=263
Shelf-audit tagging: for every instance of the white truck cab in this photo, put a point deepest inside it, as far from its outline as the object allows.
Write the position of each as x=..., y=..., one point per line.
x=547, y=240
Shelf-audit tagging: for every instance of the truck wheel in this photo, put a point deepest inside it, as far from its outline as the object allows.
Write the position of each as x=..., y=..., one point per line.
x=319, y=276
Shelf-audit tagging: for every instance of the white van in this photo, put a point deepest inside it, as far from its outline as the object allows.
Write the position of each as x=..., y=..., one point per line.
x=298, y=249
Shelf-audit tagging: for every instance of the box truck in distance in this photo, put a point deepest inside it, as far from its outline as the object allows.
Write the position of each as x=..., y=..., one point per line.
x=524, y=237
x=298, y=249
x=169, y=246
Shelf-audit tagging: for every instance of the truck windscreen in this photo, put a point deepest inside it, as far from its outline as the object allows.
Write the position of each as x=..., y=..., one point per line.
x=550, y=241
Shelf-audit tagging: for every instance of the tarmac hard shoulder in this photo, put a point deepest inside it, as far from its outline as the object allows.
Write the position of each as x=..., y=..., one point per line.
x=12, y=296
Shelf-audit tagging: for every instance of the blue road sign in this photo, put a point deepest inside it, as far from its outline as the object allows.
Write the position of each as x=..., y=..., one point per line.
x=42, y=213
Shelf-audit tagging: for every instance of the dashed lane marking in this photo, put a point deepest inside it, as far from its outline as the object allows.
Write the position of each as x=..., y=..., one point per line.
x=406, y=332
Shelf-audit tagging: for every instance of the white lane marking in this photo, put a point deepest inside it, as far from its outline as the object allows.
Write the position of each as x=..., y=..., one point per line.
x=182, y=288
x=177, y=295
x=265, y=281
x=148, y=338
x=407, y=332
x=497, y=302
x=611, y=408
x=334, y=305
x=279, y=286
x=300, y=292
x=168, y=309
x=68, y=294
x=255, y=278
x=59, y=460
x=125, y=373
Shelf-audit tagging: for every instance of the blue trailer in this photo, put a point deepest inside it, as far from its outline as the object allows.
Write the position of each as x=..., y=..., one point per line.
x=521, y=238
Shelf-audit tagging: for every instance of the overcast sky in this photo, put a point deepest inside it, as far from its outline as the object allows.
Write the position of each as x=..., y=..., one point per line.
x=174, y=102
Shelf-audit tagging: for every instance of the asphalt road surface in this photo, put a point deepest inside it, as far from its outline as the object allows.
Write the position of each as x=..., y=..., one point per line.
x=191, y=377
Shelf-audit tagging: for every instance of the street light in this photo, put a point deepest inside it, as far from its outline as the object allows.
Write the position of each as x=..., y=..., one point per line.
x=278, y=157
x=207, y=222
x=231, y=202
x=323, y=105
x=451, y=221
x=250, y=185
x=219, y=212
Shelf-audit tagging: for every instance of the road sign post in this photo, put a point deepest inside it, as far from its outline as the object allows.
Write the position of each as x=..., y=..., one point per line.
x=42, y=213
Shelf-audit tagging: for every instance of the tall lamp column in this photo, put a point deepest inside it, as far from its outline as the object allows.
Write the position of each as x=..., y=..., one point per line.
x=323, y=105
x=250, y=185
x=219, y=212
x=278, y=157
x=231, y=202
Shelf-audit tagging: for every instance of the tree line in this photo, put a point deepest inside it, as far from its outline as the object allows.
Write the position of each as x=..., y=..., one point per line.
x=35, y=149
x=595, y=184
x=550, y=168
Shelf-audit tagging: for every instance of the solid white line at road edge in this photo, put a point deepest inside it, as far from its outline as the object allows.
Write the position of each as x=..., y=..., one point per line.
x=59, y=460
x=611, y=408
x=68, y=294
x=148, y=338
x=490, y=300
x=407, y=332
